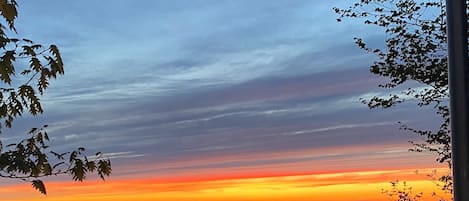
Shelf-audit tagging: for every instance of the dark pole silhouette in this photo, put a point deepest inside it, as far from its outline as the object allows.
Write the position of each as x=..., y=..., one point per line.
x=459, y=95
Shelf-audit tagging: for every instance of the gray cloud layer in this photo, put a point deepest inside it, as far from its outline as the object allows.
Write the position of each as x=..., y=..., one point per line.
x=167, y=81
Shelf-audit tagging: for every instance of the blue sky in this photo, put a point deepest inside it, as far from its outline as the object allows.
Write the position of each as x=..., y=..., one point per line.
x=163, y=82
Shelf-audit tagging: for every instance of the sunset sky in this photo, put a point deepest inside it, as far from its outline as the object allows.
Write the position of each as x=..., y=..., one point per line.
x=218, y=100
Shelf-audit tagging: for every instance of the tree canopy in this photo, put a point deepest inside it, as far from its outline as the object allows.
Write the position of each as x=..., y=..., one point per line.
x=21, y=86
x=414, y=60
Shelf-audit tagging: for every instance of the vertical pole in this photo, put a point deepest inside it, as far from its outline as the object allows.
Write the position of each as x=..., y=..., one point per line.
x=459, y=95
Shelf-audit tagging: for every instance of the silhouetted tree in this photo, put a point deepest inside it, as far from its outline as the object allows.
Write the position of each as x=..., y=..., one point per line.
x=414, y=60
x=31, y=158
x=400, y=191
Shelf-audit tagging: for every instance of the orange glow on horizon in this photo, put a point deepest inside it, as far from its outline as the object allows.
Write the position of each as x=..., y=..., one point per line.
x=351, y=186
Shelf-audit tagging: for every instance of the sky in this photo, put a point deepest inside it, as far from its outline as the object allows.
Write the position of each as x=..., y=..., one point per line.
x=218, y=100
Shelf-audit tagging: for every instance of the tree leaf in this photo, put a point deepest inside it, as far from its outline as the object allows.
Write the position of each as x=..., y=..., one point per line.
x=9, y=12
x=104, y=168
x=78, y=171
x=39, y=185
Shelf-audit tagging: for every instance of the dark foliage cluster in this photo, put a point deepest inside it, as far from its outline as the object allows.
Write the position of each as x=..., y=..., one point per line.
x=400, y=191
x=31, y=158
x=414, y=55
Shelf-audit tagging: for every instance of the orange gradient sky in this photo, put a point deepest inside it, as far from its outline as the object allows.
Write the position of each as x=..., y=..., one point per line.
x=362, y=177
x=352, y=186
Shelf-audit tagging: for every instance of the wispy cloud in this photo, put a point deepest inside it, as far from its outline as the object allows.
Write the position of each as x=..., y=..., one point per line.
x=338, y=127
